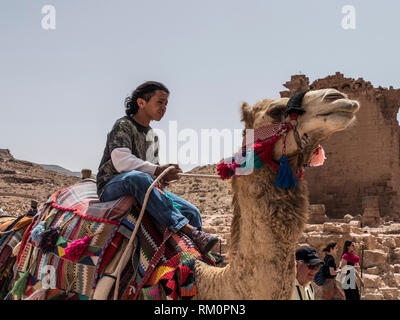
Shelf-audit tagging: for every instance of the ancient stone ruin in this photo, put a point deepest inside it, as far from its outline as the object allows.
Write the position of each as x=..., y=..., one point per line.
x=363, y=161
x=317, y=214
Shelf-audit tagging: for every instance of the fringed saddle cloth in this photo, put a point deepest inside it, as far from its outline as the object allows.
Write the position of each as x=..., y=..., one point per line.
x=162, y=260
x=71, y=242
x=63, y=251
x=11, y=231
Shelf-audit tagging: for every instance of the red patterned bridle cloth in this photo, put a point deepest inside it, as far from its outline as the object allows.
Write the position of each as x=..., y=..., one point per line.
x=253, y=136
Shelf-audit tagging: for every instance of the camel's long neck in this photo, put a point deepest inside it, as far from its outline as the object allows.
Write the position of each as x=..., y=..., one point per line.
x=266, y=225
x=269, y=224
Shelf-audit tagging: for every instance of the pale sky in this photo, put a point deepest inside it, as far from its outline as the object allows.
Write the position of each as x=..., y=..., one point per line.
x=61, y=90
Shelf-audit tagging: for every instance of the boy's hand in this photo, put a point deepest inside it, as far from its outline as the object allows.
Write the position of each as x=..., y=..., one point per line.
x=171, y=175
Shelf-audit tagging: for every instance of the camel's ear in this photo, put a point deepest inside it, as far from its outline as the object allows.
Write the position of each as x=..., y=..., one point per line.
x=247, y=115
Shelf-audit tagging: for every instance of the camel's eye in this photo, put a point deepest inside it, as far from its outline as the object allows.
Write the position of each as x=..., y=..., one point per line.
x=334, y=96
x=276, y=113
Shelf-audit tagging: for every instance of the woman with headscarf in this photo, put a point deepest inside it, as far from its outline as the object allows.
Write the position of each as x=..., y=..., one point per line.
x=350, y=265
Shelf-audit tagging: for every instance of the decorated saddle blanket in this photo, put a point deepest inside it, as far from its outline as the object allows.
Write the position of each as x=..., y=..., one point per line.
x=162, y=260
x=74, y=236
x=63, y=249
x=11, y=232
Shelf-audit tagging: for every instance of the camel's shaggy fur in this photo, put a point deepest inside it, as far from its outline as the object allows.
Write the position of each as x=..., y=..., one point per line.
x=267, y=221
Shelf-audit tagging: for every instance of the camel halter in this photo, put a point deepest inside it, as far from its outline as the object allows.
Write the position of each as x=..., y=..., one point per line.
x=295, y=109
x=260, y=153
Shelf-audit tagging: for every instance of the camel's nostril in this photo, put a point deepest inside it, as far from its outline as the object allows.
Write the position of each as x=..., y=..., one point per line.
x=356, y=105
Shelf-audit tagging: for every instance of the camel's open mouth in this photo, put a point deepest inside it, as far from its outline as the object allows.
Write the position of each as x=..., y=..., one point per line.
x=346, y=110
x=343, y=113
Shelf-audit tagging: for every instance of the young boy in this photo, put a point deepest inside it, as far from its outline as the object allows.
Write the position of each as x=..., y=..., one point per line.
x=130, y=163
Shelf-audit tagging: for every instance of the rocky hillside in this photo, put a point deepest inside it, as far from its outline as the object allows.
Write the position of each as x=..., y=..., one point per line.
x=21, y=181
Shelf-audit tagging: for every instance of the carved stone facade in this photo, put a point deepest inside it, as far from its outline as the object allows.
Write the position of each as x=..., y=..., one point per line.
x=362, y=161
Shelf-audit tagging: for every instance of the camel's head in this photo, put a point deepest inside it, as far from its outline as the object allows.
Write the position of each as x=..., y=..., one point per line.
x=326, y=111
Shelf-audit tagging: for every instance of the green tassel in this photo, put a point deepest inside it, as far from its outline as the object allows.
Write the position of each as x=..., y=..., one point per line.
x=256, y=161
x=20, y=285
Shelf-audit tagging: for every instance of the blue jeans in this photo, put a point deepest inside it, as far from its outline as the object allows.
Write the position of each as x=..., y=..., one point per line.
x=136, y=183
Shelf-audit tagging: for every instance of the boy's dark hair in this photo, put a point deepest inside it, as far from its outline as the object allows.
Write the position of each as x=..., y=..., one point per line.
x=145, y=91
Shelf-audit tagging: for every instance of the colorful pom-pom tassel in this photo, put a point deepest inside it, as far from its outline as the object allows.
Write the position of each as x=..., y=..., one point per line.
x=77, y=248
x=225, y=170
x=285, y=178
x=49, y=239
x=37, y=231
x=20, y=285
x=318, y=157
x=40, y=294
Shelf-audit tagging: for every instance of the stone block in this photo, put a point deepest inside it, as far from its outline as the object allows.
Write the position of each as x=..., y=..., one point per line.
x=395, y=257
x=397, y=240
x=397, y=278
x=389, y=242
x=336, y=227
x=355, y=223
x=372, y=281
x=347, y=218
x=370, y=202
x=313, y=227
x=373, y=296
x=373, y=270
x=390, y=293
x=371, y=217
x=374, y=258
x=317, y=214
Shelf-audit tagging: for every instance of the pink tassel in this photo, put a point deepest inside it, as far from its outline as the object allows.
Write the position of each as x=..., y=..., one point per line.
x=77, y=248
x=40, y=294
x=318, y=157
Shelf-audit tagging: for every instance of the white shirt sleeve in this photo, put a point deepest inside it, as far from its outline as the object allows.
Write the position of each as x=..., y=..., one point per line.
x=124, y=161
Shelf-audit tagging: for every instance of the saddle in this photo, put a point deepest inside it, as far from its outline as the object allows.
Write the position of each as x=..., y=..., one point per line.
x=11, y=232
x=75, y=240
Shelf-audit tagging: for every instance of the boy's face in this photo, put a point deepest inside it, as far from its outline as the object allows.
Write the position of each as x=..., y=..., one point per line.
x=155, y=108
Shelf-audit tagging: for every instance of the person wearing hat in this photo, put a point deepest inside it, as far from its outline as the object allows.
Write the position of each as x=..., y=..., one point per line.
x=307, y=265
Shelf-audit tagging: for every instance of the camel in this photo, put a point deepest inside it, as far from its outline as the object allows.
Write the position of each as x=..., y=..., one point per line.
x=267, y=220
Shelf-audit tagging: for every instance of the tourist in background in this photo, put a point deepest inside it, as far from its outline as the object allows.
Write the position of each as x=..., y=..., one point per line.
x=330, y=290
x=350, y=265
x=307, y=265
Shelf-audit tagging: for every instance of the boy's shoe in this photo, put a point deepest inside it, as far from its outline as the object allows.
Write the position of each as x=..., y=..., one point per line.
x=203, y=240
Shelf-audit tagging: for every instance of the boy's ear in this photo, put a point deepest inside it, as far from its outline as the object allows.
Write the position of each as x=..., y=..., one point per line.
x=247, y=115
x=140, y=102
